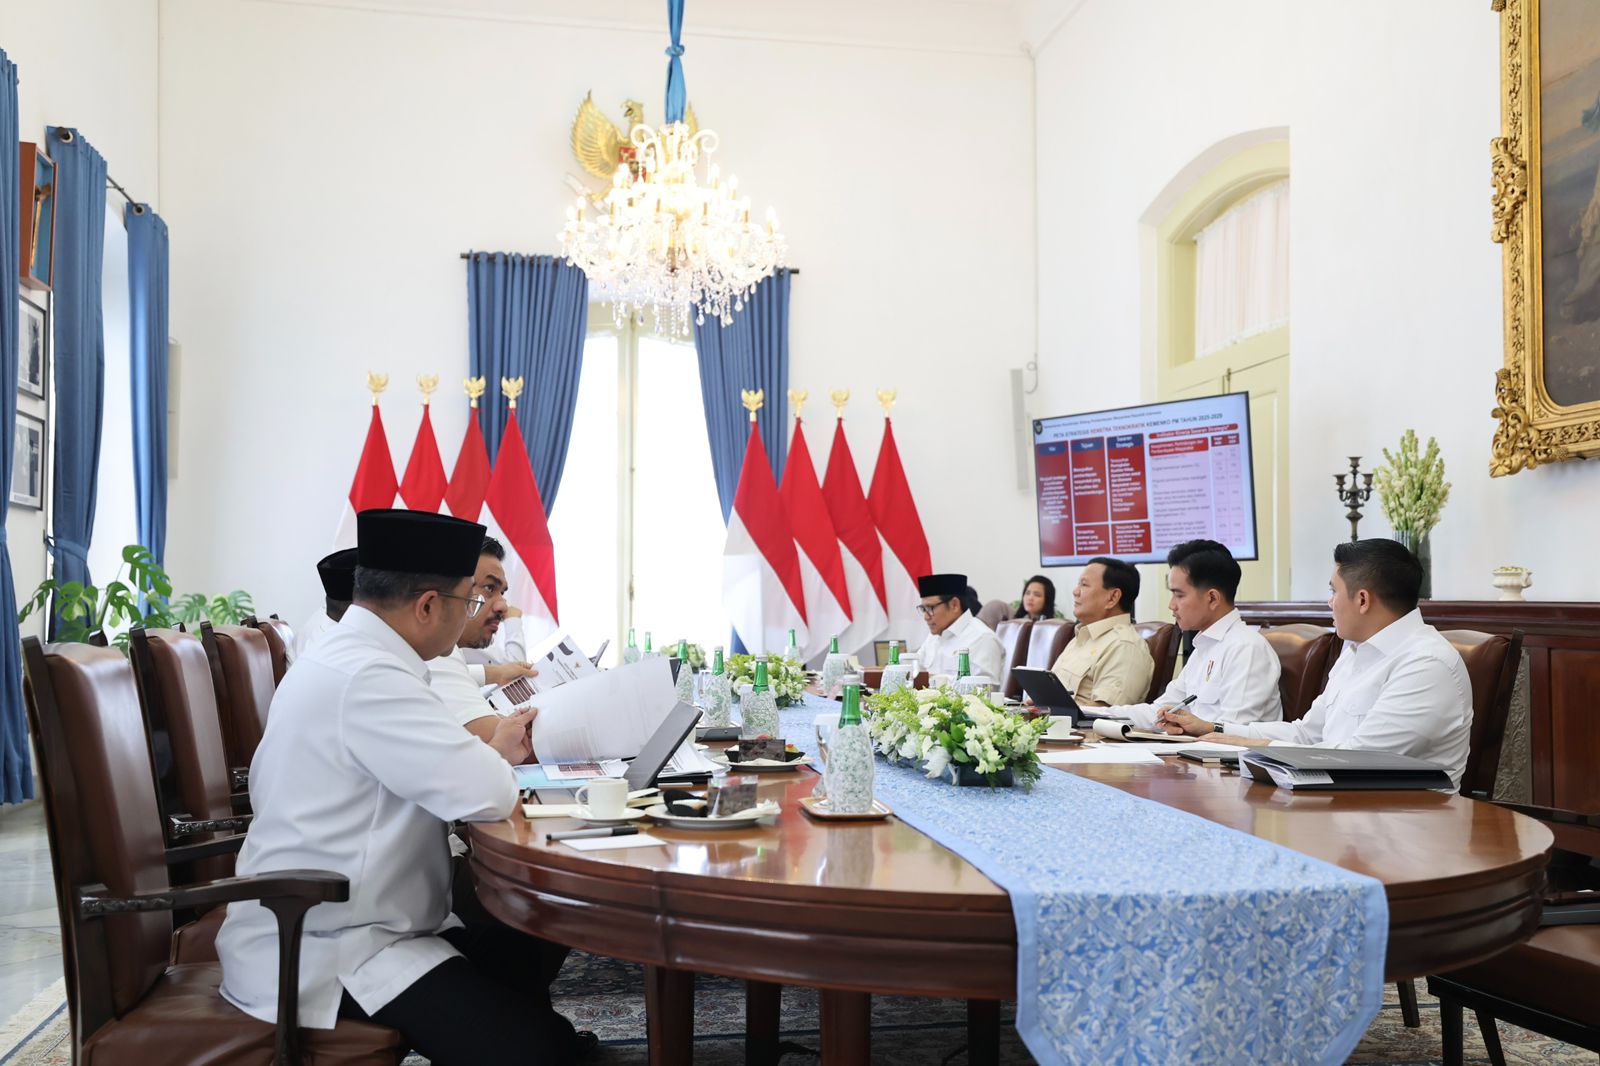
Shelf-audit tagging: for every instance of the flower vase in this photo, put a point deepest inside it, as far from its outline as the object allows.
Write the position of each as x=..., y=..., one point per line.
x=758, y=715
x=1419, y=546
x=850, y=771
x=967, y=774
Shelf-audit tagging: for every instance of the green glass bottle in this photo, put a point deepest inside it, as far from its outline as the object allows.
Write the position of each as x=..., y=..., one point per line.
x=717, y=666
x=716, y=692
x=630, y=654
x=850, y=770
x=758, y=711
x=648, y=651
x=963, y=663
x=683, y=650
x=761, y=675
x=685, y=683
x=791, y=650
x=850, y=713
x=894, y=653
x=834, y=667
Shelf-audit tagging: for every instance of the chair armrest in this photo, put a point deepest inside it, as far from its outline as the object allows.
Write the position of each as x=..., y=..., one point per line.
x=207, y=849
x=1552, y=814
x=288, y=894
x=1575, y=908
x=239, y=777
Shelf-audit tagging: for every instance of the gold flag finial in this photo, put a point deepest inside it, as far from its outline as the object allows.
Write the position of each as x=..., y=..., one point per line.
x=840, y=397
x=886, y=400
x=752, y=399
x=797, y=400
x=475, y=387
x=376, y=383
x=512, y=387
x=428, y=383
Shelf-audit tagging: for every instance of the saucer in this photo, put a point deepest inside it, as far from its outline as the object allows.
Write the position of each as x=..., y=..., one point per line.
x=629, y=814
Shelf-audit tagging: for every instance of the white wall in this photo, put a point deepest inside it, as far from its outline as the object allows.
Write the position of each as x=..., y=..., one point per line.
x=89, y=64
x=323, y=167
x=1396, y=309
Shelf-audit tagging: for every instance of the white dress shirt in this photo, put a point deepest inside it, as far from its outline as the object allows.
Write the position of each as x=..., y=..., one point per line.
x=461, y=689
x=1232, y=673
x=941, y=654
x=307, y=634
x=360, y=772
x=1403, y=690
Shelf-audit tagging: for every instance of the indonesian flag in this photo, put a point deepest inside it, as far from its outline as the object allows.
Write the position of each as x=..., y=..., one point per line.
x=907, y=557
x=374, y=485
x=827, y=597
x=861, y=551
x=761, y=585
x=424, y=485
x=516, y=518
x=469, y=481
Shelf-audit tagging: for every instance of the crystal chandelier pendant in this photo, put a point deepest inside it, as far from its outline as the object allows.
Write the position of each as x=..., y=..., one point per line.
x=666, y=237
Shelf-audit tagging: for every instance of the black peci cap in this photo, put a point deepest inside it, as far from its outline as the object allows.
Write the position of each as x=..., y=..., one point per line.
x=941, y=584
x=418, y=542
x=338, y=574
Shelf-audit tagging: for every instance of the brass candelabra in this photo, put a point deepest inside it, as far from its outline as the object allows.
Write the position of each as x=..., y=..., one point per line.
x=1359, y=492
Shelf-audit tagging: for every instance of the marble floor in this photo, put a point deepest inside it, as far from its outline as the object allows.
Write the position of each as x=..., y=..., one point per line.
x=30, y=930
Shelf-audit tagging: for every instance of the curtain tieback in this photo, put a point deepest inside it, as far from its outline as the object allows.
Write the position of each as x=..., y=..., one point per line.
x=57, y=545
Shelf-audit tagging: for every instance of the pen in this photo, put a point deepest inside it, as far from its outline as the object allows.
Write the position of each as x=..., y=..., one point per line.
x=1186, y=701
x=585, y=834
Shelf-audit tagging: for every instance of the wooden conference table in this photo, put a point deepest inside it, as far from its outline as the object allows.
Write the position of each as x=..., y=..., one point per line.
x=857, y=908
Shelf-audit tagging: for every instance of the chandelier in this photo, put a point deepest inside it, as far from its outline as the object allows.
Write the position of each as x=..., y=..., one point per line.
x=663, y=236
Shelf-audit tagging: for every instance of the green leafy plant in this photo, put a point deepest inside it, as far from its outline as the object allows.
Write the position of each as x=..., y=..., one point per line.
x=945, y=730
x=140, y=593
x=786, y=677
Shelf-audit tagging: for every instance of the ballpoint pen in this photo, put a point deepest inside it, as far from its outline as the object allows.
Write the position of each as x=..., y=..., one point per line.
x=585, y=834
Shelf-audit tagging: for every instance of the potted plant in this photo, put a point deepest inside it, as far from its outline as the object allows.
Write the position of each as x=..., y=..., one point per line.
x=967, y=739
x=1412, y=489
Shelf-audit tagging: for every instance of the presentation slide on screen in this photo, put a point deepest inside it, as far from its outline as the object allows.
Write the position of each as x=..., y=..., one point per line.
x=1135, y=481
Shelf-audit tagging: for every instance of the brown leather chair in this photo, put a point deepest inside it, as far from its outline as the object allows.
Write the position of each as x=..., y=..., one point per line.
x=1492, y=661
x=1047, y=639
x=115, y=896
x=1162, y=639
x=243, y=678
x=1545, y=984
x=1013, y=634
x=1305, y=655
x=280, y=639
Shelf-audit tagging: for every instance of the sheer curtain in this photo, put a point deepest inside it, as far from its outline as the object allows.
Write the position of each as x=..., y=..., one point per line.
x=1241, y=277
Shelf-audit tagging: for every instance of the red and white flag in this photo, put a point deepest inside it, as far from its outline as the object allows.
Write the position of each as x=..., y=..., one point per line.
x=374, y=485
x=469, y=478
x=827, y=597
x=423, y=486
x=907, y=557
x=861, y=552
x=761, y=586
x=516, y=518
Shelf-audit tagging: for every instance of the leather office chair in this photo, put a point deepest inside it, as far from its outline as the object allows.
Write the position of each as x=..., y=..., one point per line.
x=1162, y=639
x=1492, y=661
x=115, y=896
x=1545, y=984
x=1047, y=639
x=243, y=676
x=1013, y=634
x=280, y=639
x=1305, y=655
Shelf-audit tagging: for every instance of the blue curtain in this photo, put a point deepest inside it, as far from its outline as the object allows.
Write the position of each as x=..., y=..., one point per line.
x=16, y=779
x=751, y=353
x=527, y=316
x=80, y=360
x=147, y=315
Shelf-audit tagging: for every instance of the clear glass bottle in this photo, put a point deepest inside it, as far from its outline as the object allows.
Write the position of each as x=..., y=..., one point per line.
x=758, y=710
x=685, y=685
x=717, y=693
x=896, y=675
x=851, y=767
x=834, y=668
x=630, y=654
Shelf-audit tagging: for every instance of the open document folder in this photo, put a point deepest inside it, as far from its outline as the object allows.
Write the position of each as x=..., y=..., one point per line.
x=603, y=716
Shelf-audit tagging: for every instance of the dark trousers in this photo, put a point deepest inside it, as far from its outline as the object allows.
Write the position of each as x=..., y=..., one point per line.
x=488, y=1007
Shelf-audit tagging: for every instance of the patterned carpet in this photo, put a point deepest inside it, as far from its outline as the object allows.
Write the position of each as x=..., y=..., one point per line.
x=608, y=997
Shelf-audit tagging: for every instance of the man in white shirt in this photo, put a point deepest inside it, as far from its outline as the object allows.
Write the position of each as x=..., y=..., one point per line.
x=1398, y=686
x=338, y=575
x=953, y=630
x=360, y=772
x=1232, y=673
x=459, y=683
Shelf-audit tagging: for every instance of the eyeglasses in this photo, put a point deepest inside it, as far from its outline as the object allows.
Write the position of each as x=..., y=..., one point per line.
x=474, y=603
x=927, y=612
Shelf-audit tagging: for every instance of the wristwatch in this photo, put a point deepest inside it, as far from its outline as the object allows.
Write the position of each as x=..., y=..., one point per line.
x=1219, y=727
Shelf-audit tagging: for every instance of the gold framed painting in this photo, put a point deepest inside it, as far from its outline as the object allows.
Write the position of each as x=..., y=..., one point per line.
x=1546, y=176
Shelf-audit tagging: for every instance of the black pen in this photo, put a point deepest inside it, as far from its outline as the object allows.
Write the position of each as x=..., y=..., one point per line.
x=1162, y=717
x=586, y=834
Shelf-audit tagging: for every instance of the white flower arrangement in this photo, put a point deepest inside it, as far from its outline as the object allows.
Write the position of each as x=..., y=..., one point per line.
x=1412, y=487
x=786, y=677
x=944, y=731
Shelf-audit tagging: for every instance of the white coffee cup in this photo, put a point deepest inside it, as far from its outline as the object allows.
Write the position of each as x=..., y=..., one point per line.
x=603, y=799
x=1060, y=728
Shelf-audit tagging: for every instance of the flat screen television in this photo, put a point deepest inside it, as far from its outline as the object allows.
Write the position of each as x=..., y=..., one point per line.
x=1135, y=481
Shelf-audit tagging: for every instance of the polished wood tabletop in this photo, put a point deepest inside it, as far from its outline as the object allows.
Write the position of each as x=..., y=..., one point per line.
x=878, y=907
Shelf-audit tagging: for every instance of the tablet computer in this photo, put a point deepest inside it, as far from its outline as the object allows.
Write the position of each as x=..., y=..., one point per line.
x=661, y=746
x=1047, y=692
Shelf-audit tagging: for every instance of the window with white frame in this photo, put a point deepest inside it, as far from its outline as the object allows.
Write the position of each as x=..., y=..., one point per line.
x=637, y=527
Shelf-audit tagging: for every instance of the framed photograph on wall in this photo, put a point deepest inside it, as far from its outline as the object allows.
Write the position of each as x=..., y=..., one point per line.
x=33, y=348
x=27, y=463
